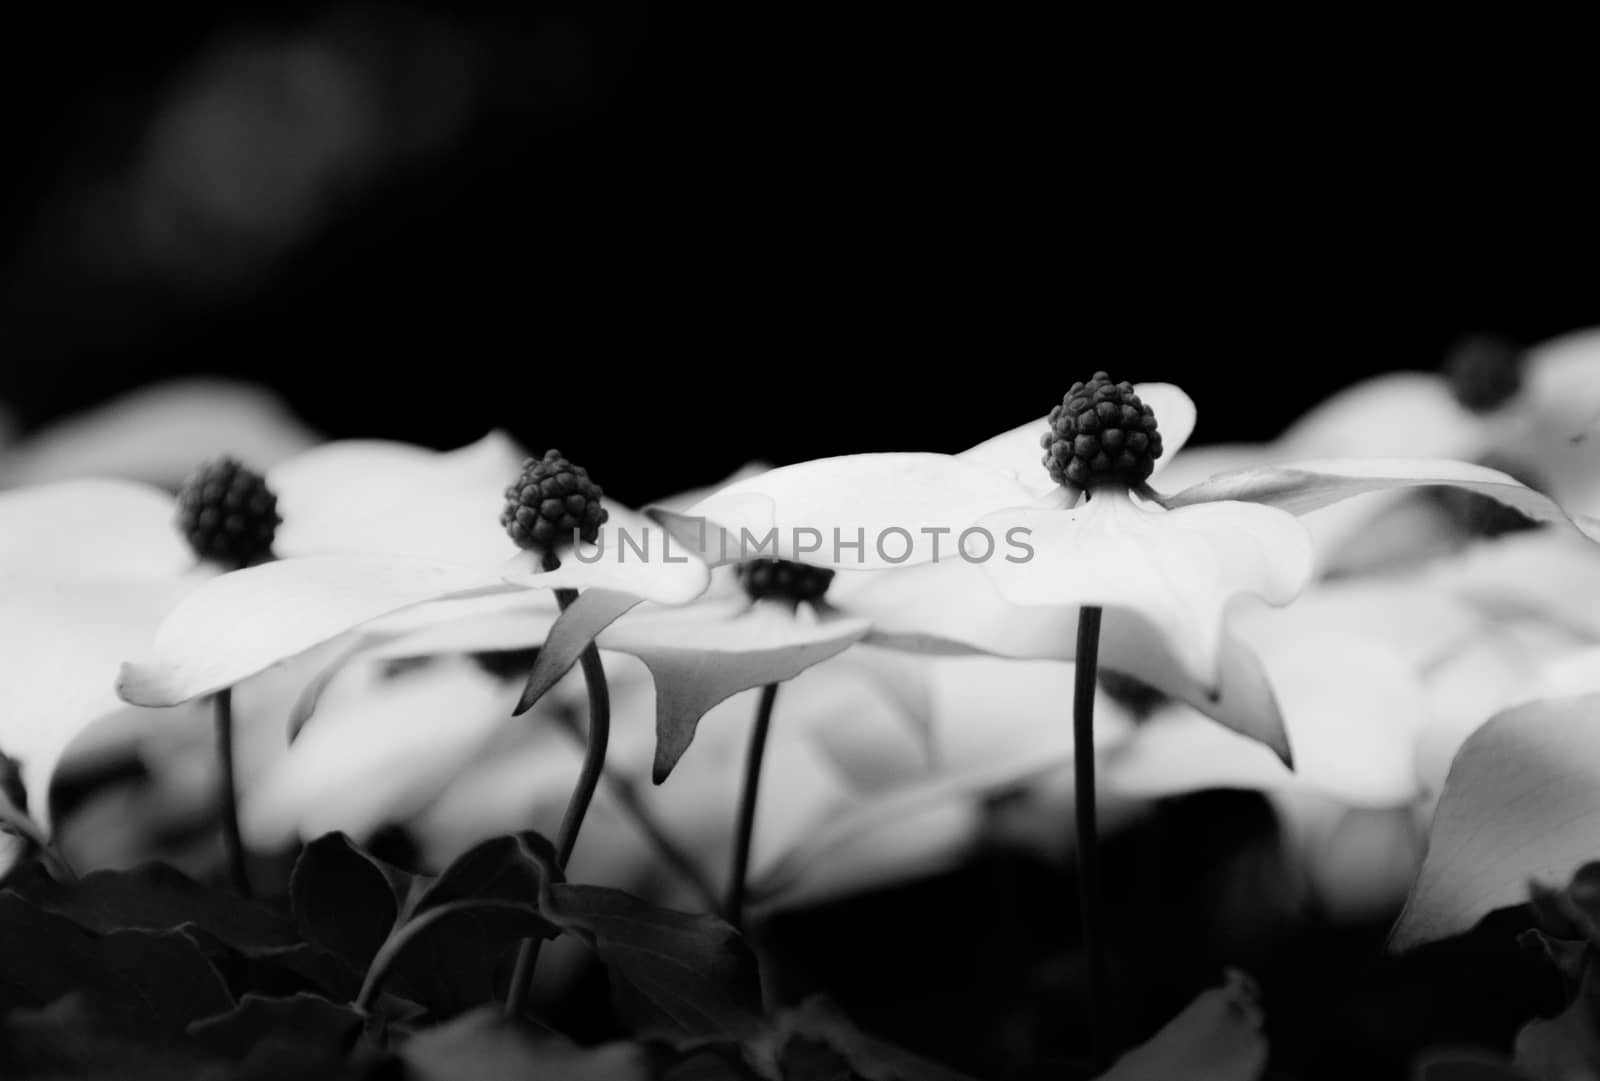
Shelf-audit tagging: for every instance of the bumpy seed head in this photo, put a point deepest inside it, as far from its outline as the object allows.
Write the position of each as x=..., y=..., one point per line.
x=551, y=503
x=780, y=579
x=228, y=514
x=1484, y=373
x=1101, y=433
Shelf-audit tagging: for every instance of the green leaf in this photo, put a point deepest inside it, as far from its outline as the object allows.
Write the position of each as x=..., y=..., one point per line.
x=345, y=899
x=143, y=982
x=1521, y=803
x=311, y=1020
x=484, y=1046
x=676, y=976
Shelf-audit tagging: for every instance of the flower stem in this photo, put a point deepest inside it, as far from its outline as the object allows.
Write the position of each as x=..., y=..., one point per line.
x=1091, y=898
x=18, y=821
x=400, y=937
x=594, y=764
x=733, y=909
x=232, y=840
x=626, y=796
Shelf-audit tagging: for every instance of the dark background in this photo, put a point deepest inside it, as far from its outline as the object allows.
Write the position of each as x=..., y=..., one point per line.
x=668, y=242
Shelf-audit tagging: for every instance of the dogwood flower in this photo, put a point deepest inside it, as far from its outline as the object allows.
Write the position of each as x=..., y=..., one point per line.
x=400, y=544
x=1085, y=528
x=89, y=568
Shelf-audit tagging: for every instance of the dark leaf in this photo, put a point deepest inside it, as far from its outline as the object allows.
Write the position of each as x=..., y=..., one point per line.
x=144, y=983
x=1465, y=1064
x=69, y=1039
x=816, y=1029
x=157, y=897
x=805, y=1059
x=484, y=1046
x=312, y=1022
x=675, y=975
x=515, y=867
x=345, y=899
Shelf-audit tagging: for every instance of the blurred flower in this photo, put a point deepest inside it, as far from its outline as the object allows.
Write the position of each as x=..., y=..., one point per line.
x=90, y=568
x=158, y=434
x=401, y=529
x=855, y=796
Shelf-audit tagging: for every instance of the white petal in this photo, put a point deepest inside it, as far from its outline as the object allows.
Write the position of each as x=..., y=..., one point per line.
x=1521, y=804
x=1019, y=454
x=62, y=643
x=700, y=657
x=633, y=555
x=856, y=511
x=240, y=623
x=1304, y=486
x=1394, y=415
x=160, y=434
x=1178, y=569
x=1353, y=708
x=953, y=608
x=1547, y=574
x=377, y=758
x=397, y=499
x=90, y=529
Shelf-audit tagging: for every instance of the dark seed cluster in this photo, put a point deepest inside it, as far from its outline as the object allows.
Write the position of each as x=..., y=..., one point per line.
x=781, y=579
x=552, y=502
x=1101, y=433
x=228, y=514
x=1484, y=373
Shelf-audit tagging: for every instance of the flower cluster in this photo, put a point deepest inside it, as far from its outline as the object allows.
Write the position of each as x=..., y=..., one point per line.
x=705, y=704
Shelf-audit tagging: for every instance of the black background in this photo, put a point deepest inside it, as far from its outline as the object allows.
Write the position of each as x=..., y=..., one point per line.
x=785, y=234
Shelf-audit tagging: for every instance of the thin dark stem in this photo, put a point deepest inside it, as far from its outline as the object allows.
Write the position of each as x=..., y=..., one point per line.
x=1091, y=897
x=402, y=936
x=626, y=796
x=594, y=764
x=733, y=909
x=232, y=840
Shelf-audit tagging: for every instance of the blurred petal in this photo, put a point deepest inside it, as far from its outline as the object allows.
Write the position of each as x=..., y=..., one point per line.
x=397, y=499
x=1310, y=485
x=62, y=643
x=635, y=556
x=860, y=510
x=1177, y=569
x=240, y=623
x=1018, y=454
x=928, y=824
x=376, y=758
x=159, y=434
x=90, y=529
x=1521, y=804
x=1394, y=415
x=953, y=608
x=1546, y=574
x=1353, y=708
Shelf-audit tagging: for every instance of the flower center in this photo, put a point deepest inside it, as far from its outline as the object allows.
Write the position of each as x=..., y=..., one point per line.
x=228, y=514
x=780, y=579
x=1100, y=434
x=552, y=502
x=1484, y=373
